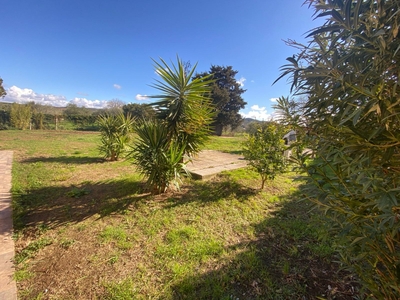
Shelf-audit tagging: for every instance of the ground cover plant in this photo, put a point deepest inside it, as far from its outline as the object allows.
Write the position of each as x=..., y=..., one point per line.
x=84, y=229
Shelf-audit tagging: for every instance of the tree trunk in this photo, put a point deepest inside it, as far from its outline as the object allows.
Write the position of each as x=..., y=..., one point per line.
x=218, y=129
x=263, y=182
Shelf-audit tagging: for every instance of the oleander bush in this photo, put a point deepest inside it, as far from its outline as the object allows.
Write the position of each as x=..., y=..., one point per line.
x=349, y=73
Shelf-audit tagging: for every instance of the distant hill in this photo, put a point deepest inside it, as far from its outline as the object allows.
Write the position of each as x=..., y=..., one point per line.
x=246, y=121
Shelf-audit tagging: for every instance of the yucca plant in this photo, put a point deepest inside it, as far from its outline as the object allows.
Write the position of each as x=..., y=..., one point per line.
x=115, y=131
x=183, y=106
x=181, y=127
x=156, y=157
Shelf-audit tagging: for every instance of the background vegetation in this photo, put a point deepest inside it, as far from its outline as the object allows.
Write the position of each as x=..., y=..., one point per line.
x=225, y=95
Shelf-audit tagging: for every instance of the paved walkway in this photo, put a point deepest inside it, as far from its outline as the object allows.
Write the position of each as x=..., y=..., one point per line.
x=209, y=163
x=8, y=288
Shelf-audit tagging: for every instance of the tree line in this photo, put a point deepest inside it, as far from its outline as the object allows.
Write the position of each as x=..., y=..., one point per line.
x=35, y=116
x=225, y=93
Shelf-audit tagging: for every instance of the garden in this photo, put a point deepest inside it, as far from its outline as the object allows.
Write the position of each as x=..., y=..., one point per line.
x=85, y=228
x=114, y=214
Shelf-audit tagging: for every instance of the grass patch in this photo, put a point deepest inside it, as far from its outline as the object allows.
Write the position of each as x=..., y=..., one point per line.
x=116, y=235
x=23, y=274
x=120, y=290
x=84, y=229
x=186, y=243
x=226, y=144
x=32, y=249
x=66, y=243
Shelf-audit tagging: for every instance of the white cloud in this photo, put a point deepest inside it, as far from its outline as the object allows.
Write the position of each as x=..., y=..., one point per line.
x=117, y=86
x=83, y=102
x=257, y=108
x=141, y=97
x=18, y=95
x=241, y=81
x=274, y=99
x=258, y=113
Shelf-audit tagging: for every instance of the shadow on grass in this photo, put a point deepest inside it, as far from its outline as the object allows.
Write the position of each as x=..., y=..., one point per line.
x=286, y=260
x=220, y=188
x=54, y=206
x=77, y=160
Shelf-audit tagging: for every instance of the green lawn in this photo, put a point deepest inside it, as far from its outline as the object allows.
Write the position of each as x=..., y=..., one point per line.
x=85, y=229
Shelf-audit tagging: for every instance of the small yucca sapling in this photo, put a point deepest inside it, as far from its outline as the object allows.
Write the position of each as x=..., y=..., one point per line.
x=158, y=159
x=115, y=131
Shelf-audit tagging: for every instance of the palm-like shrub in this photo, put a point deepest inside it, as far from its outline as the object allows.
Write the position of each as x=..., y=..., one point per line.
x=114, y=130
x=156, y=158
x=181, y=127
x=183, y=105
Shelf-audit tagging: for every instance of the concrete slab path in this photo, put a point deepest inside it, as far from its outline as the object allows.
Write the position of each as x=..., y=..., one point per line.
x=209, y=163
x=8, y=287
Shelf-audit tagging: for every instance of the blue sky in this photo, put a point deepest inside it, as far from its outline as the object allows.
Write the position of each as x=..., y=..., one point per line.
x=89, y=52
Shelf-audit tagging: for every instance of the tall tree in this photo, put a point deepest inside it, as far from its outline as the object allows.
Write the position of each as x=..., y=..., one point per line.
x=2, y=90
x=37, y=115
x=114, y=106
x=350, y=71
x=226, y=96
